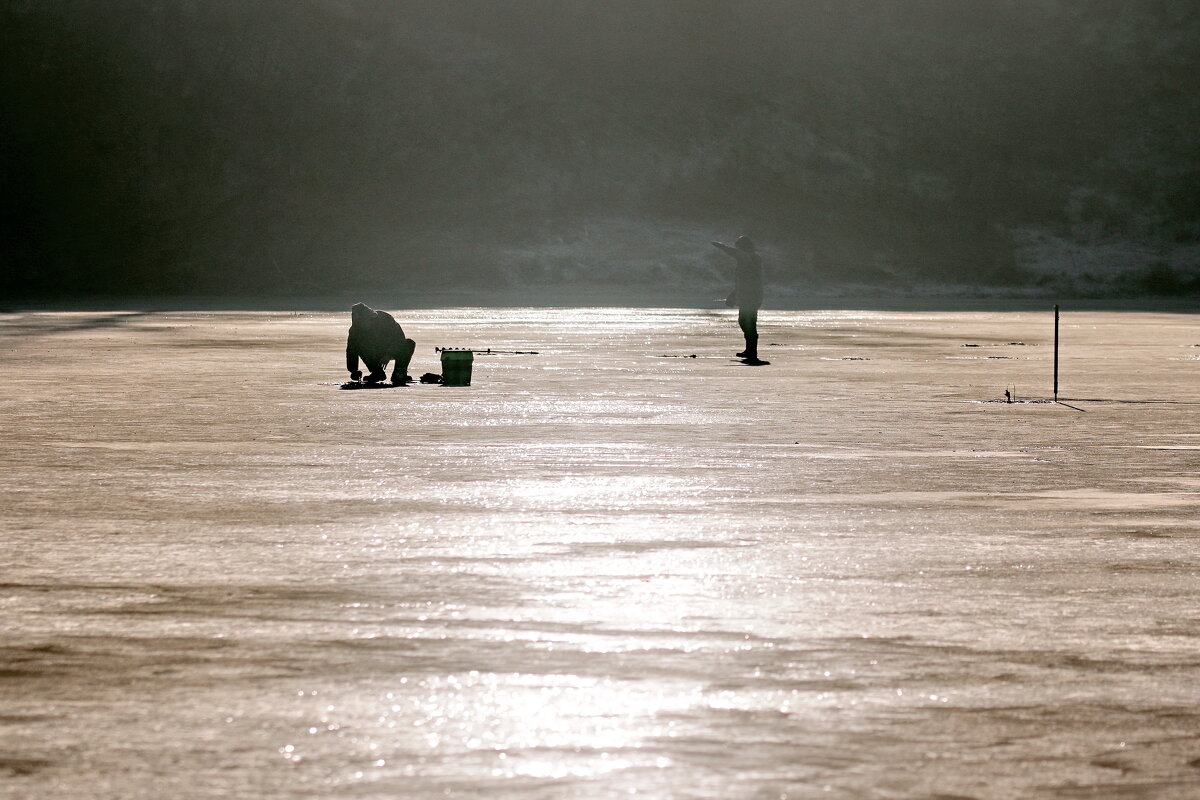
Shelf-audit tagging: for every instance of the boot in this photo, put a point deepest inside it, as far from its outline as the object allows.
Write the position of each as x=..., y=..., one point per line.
x=751, y=351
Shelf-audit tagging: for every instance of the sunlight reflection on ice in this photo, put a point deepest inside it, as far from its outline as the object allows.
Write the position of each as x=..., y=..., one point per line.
x=598, y=570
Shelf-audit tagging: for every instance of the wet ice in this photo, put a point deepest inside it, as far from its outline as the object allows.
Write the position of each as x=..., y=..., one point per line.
x=596, y=569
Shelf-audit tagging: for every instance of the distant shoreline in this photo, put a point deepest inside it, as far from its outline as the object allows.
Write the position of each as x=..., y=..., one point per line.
x=554, y=297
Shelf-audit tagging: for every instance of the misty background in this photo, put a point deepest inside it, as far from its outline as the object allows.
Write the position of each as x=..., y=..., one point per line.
x=309, y=146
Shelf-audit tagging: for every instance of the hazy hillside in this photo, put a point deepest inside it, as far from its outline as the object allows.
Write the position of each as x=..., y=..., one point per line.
x=311, y=145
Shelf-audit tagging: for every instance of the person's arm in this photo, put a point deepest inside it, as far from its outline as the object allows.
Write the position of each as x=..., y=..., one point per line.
x=731, y=299
x=352, y=358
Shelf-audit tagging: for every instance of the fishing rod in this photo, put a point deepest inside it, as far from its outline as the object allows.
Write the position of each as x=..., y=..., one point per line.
x=488, y=352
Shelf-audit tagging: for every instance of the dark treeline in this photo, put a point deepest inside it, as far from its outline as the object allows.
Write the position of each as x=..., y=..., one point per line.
x=317, y=145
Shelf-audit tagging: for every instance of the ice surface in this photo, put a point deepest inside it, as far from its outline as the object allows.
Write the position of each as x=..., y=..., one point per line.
x=599, y=571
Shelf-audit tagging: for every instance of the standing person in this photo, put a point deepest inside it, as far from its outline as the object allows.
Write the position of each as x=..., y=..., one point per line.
x=377, y=338
x=747, y=292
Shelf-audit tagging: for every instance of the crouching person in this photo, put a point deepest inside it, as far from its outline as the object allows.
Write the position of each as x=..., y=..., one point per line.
x=377, y=338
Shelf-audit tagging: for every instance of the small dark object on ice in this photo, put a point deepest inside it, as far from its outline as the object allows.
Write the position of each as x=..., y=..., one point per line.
x=1007, y=396
x=430, y=377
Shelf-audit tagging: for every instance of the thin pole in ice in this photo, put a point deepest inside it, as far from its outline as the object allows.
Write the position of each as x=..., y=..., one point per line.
x=1056, y=352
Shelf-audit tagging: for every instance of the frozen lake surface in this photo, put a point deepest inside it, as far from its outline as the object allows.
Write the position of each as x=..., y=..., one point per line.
x=605, y=570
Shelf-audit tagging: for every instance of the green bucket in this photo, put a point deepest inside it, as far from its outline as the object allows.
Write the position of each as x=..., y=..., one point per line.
x=456, y=367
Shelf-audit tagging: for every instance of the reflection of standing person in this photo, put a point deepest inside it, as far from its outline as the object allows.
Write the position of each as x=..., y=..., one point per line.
x=747, y=292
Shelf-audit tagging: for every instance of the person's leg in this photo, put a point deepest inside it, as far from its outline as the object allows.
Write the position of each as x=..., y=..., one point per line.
x=375, y=369
x=403, y=358
x=748, y=322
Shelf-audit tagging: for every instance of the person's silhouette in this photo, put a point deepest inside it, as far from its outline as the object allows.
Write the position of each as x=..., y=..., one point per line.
x=747, y=292
x=377, y=338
